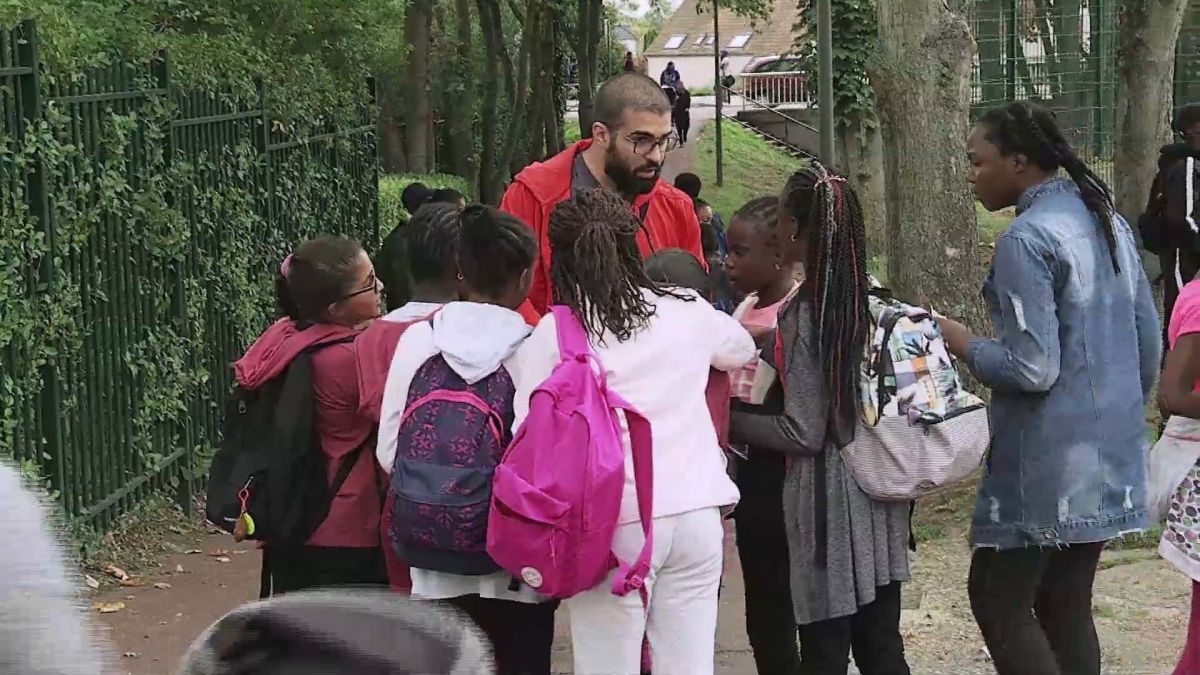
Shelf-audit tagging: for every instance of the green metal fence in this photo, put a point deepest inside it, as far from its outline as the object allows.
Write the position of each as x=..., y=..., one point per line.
x=140, y=227
x=1061, y=53
x=1187, y=60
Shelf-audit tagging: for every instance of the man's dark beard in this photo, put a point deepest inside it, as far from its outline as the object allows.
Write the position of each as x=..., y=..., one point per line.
x=629, y=185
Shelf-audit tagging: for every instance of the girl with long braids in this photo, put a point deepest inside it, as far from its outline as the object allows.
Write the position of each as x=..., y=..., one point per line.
x=1071, y=367
x=848, y=554
x=657, y=345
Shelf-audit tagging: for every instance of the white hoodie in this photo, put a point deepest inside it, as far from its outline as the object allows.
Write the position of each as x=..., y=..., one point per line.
x=476, y=340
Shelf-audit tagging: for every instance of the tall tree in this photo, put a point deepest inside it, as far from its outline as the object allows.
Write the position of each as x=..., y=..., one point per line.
x=418, y=30
x=491, y=27
x=587, y=50
x=921, y=75
x=460, y=103
x=859, y=147
x=1149, y=30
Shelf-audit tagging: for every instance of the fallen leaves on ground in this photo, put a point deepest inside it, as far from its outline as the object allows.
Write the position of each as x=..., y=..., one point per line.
x=193, y=551
x=91, y=582
x=162, y=586
x=222, y=559
x=131, y=655
x=131, y=582
x=108, y=607
x=116, y=572
x=219, y=553
x=179, y=569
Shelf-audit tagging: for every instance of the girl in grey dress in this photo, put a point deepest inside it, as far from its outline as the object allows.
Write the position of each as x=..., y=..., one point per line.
x=848, y=554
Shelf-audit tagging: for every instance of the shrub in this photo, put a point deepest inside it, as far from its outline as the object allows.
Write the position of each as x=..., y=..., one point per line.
x=390, y=188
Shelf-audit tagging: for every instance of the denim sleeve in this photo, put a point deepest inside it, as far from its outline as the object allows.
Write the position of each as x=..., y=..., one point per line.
x=1149, y=332
x=1025, y=355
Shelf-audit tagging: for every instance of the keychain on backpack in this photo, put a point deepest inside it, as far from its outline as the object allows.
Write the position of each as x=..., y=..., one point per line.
x=244, y=526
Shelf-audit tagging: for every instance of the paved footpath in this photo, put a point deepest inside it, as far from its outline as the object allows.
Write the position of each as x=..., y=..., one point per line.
x=151, y=634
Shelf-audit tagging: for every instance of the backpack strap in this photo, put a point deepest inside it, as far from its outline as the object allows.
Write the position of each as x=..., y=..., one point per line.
x=633, y=576
x=572, y=338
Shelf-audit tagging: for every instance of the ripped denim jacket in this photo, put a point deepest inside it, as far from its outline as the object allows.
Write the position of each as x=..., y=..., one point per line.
x=1071, y=368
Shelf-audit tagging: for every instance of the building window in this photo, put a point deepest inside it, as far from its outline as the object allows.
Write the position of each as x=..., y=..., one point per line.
x=740, y=41
x=700, y=40
x=709, y=40
x=675, y=41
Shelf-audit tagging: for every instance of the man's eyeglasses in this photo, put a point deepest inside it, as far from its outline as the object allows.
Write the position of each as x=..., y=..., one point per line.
x=372, y=287
x=644, y=144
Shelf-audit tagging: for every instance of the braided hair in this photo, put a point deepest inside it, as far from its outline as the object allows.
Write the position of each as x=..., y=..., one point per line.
x=433, y=235
x=1031, y=130
x=827, y=212
x=759, y=212
x=494, y=249
x=596, y=268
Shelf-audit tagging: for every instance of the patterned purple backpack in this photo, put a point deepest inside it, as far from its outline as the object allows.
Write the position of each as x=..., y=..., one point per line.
x=451, y=438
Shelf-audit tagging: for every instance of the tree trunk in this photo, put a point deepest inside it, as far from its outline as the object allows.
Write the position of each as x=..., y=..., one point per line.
x=921, y=74
x=489, y=24
x=460, y=118
x=862, y=158
x=392, y=157
x=518, y=105
x=586, y=49
x=418, y=29
x=1148, y=33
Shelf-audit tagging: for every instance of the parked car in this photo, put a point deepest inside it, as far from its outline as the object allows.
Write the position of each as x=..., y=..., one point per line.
x=776, y=79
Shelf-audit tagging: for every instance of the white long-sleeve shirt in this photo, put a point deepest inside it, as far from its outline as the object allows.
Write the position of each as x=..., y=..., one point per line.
x=662, y=371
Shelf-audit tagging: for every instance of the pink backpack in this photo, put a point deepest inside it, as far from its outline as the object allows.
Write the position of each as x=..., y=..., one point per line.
x=556, y=496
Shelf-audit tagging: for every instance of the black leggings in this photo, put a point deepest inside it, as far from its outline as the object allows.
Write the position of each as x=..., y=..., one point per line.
x=763, y=551
x=297, y=568
x=521, y=634
x=1034, y=608
x=872, y=633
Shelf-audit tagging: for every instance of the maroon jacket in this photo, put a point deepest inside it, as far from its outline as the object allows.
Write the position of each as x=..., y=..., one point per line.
x=353, y=520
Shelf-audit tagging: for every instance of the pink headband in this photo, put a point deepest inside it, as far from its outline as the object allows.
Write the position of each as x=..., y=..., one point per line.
x=286, y=267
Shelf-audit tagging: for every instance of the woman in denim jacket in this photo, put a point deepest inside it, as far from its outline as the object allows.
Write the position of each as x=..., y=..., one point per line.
x=1074, y=359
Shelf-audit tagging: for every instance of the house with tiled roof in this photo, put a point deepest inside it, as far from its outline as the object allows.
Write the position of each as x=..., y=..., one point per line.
x=688, y=41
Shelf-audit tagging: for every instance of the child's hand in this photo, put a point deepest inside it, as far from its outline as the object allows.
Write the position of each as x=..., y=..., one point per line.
x=757, y=331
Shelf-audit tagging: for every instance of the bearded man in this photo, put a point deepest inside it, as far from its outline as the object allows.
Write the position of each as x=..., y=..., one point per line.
x=630, y=141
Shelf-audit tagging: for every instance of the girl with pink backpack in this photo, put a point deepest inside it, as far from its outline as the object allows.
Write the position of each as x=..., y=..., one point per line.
x=654, y=347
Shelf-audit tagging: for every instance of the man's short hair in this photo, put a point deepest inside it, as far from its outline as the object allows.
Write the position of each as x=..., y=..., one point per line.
x=1189, y=116
x=629, y=92
x=689, y=184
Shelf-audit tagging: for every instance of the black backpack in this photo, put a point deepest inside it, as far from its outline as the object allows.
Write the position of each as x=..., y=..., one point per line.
x=269, y=472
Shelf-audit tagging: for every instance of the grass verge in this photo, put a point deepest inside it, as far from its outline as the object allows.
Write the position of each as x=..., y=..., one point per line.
x=752, y=167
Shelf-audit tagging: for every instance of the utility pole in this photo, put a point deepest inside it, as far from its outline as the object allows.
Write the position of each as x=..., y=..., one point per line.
x=825, y=80
x=719, y=90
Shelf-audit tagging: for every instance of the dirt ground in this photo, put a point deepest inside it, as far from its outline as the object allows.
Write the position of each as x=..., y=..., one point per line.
x=1141, y=605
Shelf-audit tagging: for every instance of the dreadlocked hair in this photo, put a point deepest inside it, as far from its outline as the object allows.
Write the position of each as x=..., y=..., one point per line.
x=826, y=210
x=1031, y=130
x=494, y=249
x=596, y=268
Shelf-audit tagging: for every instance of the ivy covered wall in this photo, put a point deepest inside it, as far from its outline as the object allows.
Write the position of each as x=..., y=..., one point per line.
x=141, y=224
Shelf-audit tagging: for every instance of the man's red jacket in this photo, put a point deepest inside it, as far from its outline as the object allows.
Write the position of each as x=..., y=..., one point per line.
x=670, y=220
